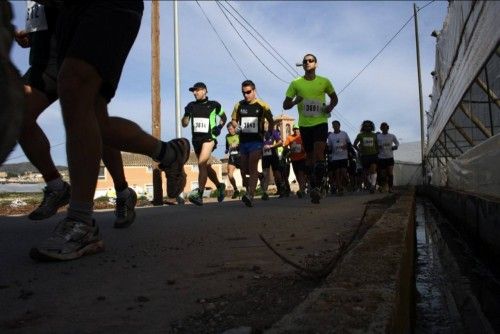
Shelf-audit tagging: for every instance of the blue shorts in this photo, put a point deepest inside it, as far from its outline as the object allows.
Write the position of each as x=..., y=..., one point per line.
x=247, y=148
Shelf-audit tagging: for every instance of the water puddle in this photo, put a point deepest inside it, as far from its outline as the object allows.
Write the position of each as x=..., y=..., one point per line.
x=456, y=290
x=431, y=313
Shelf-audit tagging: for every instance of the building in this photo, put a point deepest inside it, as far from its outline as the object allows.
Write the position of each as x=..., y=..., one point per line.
x=139, y=174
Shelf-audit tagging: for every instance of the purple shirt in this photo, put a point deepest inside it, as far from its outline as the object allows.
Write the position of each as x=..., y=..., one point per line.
x=271, y=136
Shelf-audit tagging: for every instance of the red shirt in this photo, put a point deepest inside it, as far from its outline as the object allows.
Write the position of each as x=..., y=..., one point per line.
x=297, y=151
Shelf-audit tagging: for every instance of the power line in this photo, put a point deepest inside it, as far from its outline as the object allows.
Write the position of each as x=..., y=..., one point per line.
x=220, y=39
x=258, y=41
x=383, y=48
x=283, y=62
x=248, y=46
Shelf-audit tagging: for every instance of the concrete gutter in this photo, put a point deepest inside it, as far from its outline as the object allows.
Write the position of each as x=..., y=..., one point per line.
x=371, y=290
x=476, y=217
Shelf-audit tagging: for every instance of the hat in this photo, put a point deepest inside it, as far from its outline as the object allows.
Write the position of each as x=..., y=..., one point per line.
x=197, y=85
x=295, y=126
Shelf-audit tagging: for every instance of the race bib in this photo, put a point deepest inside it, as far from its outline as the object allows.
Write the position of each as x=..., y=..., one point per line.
x=339, y=147
x=249, y=124
x=295, y=148
x=200, y=125
x=368, y=142
x=35, y=17
x=266, y=153
x=312, y=108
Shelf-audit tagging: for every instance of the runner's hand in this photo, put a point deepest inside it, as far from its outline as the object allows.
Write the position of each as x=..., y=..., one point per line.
x=216, y=130
x=328, y=109
x=22, y=38
x=297, y=100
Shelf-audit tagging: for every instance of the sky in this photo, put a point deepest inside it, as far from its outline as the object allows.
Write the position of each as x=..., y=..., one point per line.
x=344, y=36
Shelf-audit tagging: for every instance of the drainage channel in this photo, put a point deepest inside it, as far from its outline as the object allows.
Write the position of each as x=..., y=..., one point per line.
x=455, y=291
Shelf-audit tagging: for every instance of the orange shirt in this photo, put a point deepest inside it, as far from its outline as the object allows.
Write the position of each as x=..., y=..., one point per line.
x=297, y=151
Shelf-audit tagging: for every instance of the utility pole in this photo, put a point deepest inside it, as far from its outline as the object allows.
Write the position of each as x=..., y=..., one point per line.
x=419, y=92
x=155, y=96
x=176, y=68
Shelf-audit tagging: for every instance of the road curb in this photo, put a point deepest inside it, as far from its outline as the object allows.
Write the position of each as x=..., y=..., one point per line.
x=371, y=290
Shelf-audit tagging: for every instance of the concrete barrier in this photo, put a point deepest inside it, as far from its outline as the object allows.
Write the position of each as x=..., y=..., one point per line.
x=371, y=290
x=476, y=217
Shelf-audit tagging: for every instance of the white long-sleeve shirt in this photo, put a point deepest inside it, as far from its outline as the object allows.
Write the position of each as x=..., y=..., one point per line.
x=338, y=142
x=385, y=145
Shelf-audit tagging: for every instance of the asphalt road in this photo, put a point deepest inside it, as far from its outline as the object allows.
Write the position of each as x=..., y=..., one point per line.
x=162, y=268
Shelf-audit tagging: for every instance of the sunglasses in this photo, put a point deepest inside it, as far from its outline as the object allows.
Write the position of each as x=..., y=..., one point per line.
x=305, y=61
x=247, y=92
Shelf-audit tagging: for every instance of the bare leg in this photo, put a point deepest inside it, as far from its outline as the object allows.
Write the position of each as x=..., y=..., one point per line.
x=265, y=182
x=230, y=175
x=78, y=87
x=113, y=161
x=390, y=177
x=206, y=151
x=244, y=170
x=212, y=175
x=32, y=139
x=253, y=161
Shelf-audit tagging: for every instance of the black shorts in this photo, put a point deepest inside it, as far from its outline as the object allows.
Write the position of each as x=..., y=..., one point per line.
x=367, y=160
x=43, y=79
x=271, y=161
x=336, y=164
x=299, y=166
x=197, y=145
x=100, y=33
x=235, y=160
x=313, y=134
x=384, y=163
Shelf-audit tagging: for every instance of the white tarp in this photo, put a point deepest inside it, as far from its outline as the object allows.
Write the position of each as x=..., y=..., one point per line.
x=470, y=34
x=477, y=169
x=407, y=173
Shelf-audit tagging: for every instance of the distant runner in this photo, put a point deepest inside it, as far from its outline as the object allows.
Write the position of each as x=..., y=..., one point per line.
x=233, y=162
x=339, y=143
x=366, y=144
x=308, y=93
x=298, y=158
x=387, y=143
x=271, y=161
x=249, y=115
x=203, y=113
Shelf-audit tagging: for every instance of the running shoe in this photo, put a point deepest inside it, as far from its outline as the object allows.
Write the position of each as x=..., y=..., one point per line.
x=125, y=210
x=180, y=200
x=221, y=189
x=315, y=195
x=52, y=201
x=176, y=176
x=265, y=196
x=247, y=200
x=236, y=194
x=70, y=240
x=195, y=197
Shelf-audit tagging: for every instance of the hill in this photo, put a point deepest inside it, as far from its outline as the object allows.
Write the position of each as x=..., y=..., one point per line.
x=23, y=167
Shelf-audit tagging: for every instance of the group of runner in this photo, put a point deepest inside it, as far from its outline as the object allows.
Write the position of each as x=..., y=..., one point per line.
x=358, y=163
x=252, y=136
x=311, y=149
x=77, y=57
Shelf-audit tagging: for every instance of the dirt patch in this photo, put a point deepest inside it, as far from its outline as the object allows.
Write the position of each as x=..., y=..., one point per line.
x=18, y=204
x=269, y=298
